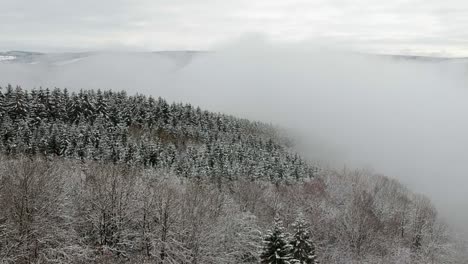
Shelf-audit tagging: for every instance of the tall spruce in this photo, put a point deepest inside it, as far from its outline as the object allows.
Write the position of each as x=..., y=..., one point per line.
x=303, y=248
x=276, y=249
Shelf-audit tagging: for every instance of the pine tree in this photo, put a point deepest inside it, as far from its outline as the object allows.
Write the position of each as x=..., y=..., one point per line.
x=276, y=249
x=101, y=106
x=303, y=249
x=2, y=103
x=17, y=103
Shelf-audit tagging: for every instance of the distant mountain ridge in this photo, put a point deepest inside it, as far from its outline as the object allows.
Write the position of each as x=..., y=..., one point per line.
x=421, y=58
x=180, y=57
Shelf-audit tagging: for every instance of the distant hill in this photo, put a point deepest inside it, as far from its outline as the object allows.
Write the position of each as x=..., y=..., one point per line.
x=421, y=58
x=114, y=127
x=181, y=57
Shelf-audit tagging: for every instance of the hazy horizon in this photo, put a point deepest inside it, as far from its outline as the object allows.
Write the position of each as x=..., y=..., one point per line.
x=401, y=118
x=372, y=85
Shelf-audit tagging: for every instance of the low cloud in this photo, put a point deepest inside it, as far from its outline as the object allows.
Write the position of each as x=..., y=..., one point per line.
x=403, y=118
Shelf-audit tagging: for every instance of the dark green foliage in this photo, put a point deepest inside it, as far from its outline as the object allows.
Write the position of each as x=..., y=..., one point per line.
x=276, y=248
x=303, y=249
x=114, y=127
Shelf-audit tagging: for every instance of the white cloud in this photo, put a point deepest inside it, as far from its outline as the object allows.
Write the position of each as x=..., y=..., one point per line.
x=420, y=26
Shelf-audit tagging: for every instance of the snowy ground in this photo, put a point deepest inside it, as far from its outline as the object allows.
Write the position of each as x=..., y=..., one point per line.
x=6, y=58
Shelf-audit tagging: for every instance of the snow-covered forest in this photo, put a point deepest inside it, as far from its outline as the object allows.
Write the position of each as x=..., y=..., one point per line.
x=103, y=177
x=114, y=127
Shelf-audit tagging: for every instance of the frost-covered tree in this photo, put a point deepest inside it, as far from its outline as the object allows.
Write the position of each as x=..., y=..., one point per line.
x=276, y=248
x=57, y=210
x=303, y=248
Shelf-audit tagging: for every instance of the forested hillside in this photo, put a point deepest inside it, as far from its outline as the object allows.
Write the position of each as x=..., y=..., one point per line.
x=103, y=177
x=63, y=211
x=114, y=127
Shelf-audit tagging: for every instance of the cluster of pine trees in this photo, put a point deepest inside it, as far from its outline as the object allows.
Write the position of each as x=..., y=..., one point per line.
x=279, y=248
x=114, y=127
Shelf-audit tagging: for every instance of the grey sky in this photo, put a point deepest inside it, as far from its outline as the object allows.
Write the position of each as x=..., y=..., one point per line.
x=430, y=27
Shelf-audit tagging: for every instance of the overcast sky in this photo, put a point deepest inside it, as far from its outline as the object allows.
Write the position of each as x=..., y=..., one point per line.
x=425, y=27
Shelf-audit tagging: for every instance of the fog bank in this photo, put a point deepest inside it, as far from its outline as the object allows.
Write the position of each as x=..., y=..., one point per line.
x=403, y=118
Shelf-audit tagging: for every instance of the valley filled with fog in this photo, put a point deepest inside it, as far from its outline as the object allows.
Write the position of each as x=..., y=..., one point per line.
x=402, y=117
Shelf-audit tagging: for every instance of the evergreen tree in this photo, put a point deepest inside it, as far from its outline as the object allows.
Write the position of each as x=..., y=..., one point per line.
x=2, y=103
x=101, y=106
x=276, y=248
x=303, y=249
x=17, y=103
